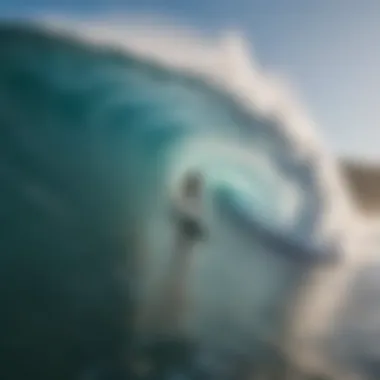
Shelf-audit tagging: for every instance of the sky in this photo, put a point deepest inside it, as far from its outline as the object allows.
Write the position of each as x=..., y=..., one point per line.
x=328, y=49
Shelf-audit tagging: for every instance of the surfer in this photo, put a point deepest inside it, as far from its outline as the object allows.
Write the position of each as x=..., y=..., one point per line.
x=189, y=229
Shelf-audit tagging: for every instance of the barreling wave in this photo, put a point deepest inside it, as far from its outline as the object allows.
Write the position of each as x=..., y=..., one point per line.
x=225, y=66
x=104, y=121
x=270, y=109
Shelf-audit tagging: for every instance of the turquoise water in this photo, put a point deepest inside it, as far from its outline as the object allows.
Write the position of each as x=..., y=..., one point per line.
x=93, y=142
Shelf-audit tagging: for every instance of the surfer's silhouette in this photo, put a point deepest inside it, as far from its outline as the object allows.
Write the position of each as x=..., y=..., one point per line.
x=169, y=352
x=188, y=208
x=188, y=230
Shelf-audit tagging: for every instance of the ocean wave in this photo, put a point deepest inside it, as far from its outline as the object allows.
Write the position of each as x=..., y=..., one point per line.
x=139, y=106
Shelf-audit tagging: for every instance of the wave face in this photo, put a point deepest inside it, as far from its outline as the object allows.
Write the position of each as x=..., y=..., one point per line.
x=94, y=140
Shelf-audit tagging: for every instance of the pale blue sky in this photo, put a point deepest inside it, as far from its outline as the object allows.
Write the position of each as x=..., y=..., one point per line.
x=330, y=49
